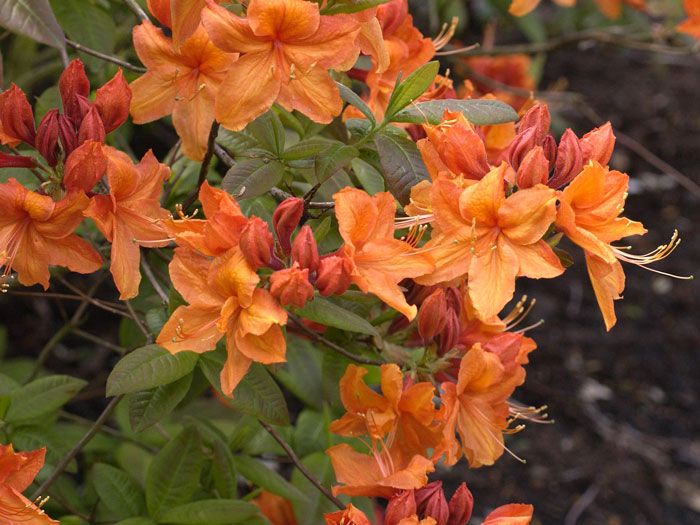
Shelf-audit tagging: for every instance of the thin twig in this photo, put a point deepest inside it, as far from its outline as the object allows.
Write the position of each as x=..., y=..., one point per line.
x=99, y=341
x=105, y=57
x=330, y=344
x=139, y=322
x=280, y=195
x=152, y=279
x=206, y=162
x=97, y=302
x=92, y=431
x=105, y=305
x=107, y=430
x=297, y=462
x=136, y=8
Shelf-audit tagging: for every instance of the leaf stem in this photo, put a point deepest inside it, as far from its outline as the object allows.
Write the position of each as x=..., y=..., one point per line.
x=206, y=162
x=105, y=57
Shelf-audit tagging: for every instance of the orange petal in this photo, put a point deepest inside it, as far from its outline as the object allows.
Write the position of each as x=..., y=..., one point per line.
x=312, y=92
x=492, y=278
x=522, y=7
x=512, y=514
x=85, y=166
x=608, y=282
x=154, y=96
x=537, y=261
x=15, y=508
x=193, y=119
x=189, y=271
x=267, y=348
x=526, y=215
x=235, y=368
x=190, y=329
x=126, y=257
x=283, y=19
x=185, y=16
x=483, y=199
x=231, y=33
x=263, y=312
x=153, y=48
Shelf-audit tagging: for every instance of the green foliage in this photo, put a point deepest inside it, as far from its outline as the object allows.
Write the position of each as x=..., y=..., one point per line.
x=401, y=163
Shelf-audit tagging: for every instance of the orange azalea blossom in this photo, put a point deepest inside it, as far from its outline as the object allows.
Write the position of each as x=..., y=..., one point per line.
x=691, y=25
x=17, y=471
x=379, y=261
x=589, y=215
x=36, y=232
x=511, y=514
x=224, y=302
x=351, y=515
x=286, y=49
x=181, y=81
x=216, y=234
x=610, y=8
x=181, y=16
x=511, y=70
x=491, y=238
x=404, y=413
x=276, y=509
x=130, y=216
x=378, y=474
x=476, y=408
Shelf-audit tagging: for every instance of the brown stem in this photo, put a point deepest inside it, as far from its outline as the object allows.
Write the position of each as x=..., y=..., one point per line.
x=139, y=322
x=297, y=462
x=105, y=57
x=206, y=161
x=136, y=8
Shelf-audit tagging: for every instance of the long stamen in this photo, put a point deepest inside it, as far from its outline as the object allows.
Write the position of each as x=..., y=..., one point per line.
x=653, y=256
x=446, y=33
x=402, y=223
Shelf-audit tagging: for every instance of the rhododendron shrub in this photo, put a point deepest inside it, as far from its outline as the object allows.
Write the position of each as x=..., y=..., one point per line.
x=320, y=265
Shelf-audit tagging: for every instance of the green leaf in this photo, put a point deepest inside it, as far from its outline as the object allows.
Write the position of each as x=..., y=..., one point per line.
x=371, y=180
x=224, y=470
x=311, y=511
x=402, y=164
x=352, y=98
x=137, y=521
x=87, y=24
x=301, y=374
x=33, y=18
x=256, y=472
x=252, y=177
x=256, y=395
x=479, y=112
x=148, y=367
x=210, y=512
x=41, y=397
x=325, y=312
x=118, y=491
x=352, y=6
x=333, y=160
x=307, y=149
x=268, y=131
x=310, y=433
x=150, y=406
x=173, y=476
x=412, y=87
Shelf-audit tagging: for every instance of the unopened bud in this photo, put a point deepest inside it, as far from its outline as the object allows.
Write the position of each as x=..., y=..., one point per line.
x=85, y=166
x=47, y=137
x=449, y=336
x=15, y=161
x=112, y=102
x=17, y=116
x=533, y=170
x=92, y=127
x=455, y=301
x=67, y=135
x=351, y=515
x=549, y=146
x=537, y=118
x=291, y=286
x=334, y=275
x=569, y=160
x=521, y=146
x=285, y=220
x=73, y=83
x=431, y=503
x=461, y=505
x=304, y=249
x=400, y=506
x=257, y=243
x=598, y=144
x=432, y=315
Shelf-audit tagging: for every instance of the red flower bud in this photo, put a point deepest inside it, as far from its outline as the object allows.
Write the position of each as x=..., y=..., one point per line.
x=73, y=82
x=569, y=160
x=256, y=243
x=334, y=275
x=538, y=118
x=401, y=506
x=304, y=249
x=15, y=161
x=598, y=144
x=85, y=166
x=285, y=220
x=112, y=101
x=92, y=127
x=431, y=503
x=461, y=505
x=67, y=135
x=432, y=315
x=549, y=146
x=454, y=298
x=291, y=286
x=449, y=336
x=47, y=137
x=534, y=169
x=17, y=117
x=521, y=146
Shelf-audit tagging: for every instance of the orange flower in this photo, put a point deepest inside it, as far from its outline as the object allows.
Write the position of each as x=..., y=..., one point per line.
x=403, y=414
x=216, y=234
x=377, y=474
x=511, y=70
x=491, y=238
x=36, y=232
x=379, y=261
x=477, y=408
x=17, y=471
x=512, y=514
x=224, y=302
x=275, y=508
x=691, y=26
x=182, y=81
x=286, y=49
x=589, y=216
x=351, y=515
x=130, y=215
x=610, y=8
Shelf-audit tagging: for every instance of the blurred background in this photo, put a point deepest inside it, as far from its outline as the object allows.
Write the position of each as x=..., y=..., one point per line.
x=624, y=444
